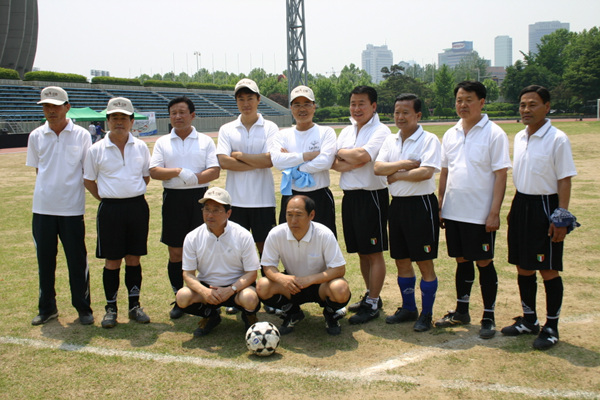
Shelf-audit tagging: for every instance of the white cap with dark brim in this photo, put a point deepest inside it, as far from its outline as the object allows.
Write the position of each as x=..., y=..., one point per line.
x=119, y=105
x=54, y=95
x=216, y=194
x=302, y=91
x=246, y=83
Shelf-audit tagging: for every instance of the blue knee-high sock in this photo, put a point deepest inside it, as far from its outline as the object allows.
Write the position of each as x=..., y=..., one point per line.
x=428, y=290
x=407, y=289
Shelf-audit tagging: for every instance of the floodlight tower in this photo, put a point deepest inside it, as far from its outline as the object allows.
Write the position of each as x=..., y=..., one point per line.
x=296, y=45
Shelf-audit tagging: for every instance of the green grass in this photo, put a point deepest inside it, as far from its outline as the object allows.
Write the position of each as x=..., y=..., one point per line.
x=438, y=364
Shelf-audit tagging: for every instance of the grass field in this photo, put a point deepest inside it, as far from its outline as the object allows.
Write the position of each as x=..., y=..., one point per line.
x=64, y=360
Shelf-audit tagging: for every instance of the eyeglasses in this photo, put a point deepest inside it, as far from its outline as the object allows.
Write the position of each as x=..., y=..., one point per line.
x=298, y=106
x=213, y=211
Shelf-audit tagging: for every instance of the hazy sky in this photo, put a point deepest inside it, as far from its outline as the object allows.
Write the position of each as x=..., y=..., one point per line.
x=130, y=37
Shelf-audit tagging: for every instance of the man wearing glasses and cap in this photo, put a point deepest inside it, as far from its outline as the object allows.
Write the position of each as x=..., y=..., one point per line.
x=57, y=151
x=219, y=266
x=305, y=154
x=116, y=173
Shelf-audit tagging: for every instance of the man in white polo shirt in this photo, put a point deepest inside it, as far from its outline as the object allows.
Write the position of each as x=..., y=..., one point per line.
x=366, y=200
x=219, y=266
x=57, y=151
x=538, y=221
x=243, y=150
x=186, y=162
x=314, y=268
x=410, y=160
x=475, y=162
x=116, y=173
x=307, y=152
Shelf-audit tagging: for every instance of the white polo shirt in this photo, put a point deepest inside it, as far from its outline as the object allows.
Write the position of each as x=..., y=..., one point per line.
x=255, y=188
x=59, y=159
x=196, y=153
x=471, y=161
x=117, y=176
x=317, y=138
x=422, y=146
x=220, y=261
x=317, y=251
x=541, y=160
x=370, y=137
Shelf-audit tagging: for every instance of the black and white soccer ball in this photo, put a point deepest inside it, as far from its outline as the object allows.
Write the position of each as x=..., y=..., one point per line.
x=262, y=338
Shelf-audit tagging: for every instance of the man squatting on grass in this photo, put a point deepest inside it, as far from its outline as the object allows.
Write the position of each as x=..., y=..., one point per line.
x=475, y=161
x=538, y=221
x=314, y=268
x=57, y=151
x=219, y=266
x=185, y=160
x=410, y=160
x=365, y=202
x=116, y=173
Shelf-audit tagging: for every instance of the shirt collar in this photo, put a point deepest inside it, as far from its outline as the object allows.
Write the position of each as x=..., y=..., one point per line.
x=482, y=122
x=373, y=120
x=415, y=136
x=260, y=121
x=68, y=128
x=307, y=237
x=193, y=134
x=543, y=129
x=110, y=143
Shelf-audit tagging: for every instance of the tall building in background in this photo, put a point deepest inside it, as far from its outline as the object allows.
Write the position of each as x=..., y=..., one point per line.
x=540, y=29
x=451, y=57
x=18, y=34
x=374, y=58
x=503, y=51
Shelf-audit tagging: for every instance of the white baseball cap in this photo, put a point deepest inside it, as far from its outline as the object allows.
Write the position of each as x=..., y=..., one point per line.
x=246, y=83
x=119, y=105
x=302, y=91
x=217, y=194
x=54, y=95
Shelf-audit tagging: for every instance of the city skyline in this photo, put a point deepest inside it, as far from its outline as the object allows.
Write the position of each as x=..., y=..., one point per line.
x=153, y=36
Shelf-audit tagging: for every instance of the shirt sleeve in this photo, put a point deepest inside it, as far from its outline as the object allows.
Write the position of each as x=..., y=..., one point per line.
x=374, y=143
x=211, y=155
x=326, y=155
x=188, y=260
x=33, y=157
x=331, y=252
x=564, y=164
x=157, y=159
x=90, y=167
x=282, y=160
x=223, y=143
x=249, y=256
x=499, y=150
x=270, y=255
x=431, y=156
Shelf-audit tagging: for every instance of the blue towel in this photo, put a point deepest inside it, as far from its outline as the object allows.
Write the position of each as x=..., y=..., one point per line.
x=561, y=217
x=293, y=175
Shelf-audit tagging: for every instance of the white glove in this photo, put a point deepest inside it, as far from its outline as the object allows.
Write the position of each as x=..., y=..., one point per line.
x=175, y=182
x=188, y=177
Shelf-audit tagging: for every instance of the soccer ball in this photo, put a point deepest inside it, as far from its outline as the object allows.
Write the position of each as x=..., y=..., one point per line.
x=262, y=338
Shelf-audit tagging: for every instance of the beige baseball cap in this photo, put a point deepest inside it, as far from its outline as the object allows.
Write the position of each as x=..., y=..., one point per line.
x=246, y=83
x=302, y=91
x=217, y=194
x=119, y=105
x=54, y=95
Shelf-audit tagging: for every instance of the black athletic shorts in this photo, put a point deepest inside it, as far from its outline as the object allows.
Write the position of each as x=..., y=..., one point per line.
x=122, y=228
x=181, y=214
x=259, y=221
x=414, y=227
x=364, y=219
x=529, y=245
x=469, y=241
x=324, y=207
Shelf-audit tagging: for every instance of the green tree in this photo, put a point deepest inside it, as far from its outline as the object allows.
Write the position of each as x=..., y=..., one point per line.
x=325, y=91
x=492, y=89
x=552, y=51
x=520, y=75
x=582, y=74
x=444, y=87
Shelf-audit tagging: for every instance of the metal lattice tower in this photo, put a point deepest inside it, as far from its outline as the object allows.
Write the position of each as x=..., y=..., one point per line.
x=296, y=45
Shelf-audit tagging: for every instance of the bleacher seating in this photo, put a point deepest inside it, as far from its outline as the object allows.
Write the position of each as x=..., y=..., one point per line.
x=18, y=102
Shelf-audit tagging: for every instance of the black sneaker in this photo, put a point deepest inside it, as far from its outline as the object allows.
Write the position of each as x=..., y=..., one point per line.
x=402, y=315
x=207, y=324
x=424, y=323
x=110, y=318
x=231, y=310
x=453, y=318
x=289, y=321
x=43, y=318
x=86, y=318
x=332, y=322
x=269, y=309
x=176, y=312
x=249, y=319
x=364, y=314
x=547, y=338
x=521, y=326
x=137, y=313
x=354, y=307
x=488, y=328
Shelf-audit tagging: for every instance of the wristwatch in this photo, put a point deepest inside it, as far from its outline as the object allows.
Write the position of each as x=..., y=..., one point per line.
x=234, y=288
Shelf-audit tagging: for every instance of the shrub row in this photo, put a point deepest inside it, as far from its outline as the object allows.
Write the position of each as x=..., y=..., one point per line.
x=6, y=73
x=50, y=76
x=109, y=80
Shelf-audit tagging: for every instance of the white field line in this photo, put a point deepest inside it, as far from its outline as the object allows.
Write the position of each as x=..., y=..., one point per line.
x=375, y=373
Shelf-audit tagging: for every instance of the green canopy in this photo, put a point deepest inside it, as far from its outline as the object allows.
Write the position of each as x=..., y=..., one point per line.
x=84, y=114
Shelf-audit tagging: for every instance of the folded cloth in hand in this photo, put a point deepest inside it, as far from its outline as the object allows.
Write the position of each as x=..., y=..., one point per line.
x=299, y=178
x=561, y=217
x=188, y=177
